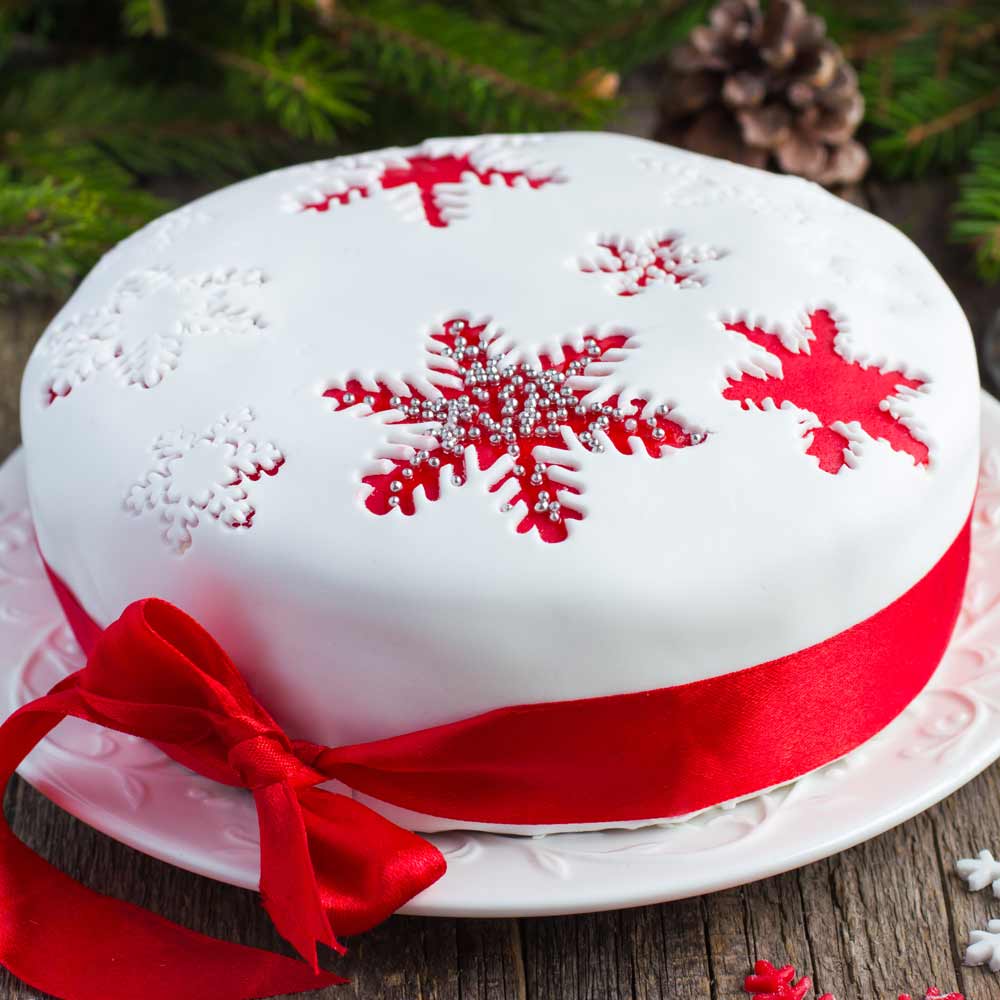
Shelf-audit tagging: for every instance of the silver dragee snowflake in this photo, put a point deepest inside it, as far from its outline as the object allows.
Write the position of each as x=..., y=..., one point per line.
x=140, y=332
x=195, y=475
x=984, y=946
x=980, y=871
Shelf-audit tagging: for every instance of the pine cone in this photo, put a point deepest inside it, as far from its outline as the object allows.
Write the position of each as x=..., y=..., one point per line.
x=763, y=88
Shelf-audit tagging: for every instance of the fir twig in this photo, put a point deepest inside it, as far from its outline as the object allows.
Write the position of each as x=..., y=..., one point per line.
x=977, y=213
x=51, y=233
x=952, y=119
x=486, y=74
x=482, y=70
x=868, y=46
x=306, y=88
x=624, y=27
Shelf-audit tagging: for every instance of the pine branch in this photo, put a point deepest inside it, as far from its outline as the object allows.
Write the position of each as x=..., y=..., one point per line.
x=52, y=233
x=932, y=96
x=867, y=46
x=634, y=32
x=626, y=26
x=952, y=119
x=90, y=119
x=482, y=70
x=977, y=212
x=306, y=88
x=879, y=43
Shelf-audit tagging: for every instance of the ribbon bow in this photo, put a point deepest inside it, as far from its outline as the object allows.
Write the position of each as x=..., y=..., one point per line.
x=329, y=865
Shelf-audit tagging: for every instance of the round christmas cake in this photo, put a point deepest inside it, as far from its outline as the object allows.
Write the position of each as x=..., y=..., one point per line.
x=576, y=449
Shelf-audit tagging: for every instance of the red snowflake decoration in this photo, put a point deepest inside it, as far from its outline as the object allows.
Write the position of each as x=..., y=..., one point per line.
x=656, y=260
x=428, y=173
x=769, y=983
x=503, y=410
x=818, y=378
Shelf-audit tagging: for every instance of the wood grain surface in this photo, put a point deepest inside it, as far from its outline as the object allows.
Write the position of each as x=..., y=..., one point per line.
x=887, y=917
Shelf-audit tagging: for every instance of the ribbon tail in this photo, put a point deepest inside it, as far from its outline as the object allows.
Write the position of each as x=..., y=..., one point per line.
x=366, y=867
x=71, y=942
x=288, y=884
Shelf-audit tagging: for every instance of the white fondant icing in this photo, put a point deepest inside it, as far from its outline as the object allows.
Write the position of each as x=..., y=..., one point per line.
x=352, y=626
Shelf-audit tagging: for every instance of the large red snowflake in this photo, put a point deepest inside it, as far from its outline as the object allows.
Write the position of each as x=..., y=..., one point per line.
x=507, y=411
x=428, y=173
x=822, y=381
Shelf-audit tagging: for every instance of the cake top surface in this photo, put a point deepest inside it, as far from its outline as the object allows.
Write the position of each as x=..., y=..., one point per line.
x=582, y=374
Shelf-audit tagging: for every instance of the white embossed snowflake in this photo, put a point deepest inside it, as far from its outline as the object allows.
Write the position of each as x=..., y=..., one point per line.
x=195, y=475
x=140, y=332
x=981, y=871
x=165, y=230
x=984, y=946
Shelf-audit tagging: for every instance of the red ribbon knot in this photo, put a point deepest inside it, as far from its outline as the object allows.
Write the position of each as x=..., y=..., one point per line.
x=268, y=759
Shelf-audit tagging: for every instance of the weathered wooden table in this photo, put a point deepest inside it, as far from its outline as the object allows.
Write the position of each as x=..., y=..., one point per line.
x=887, y=917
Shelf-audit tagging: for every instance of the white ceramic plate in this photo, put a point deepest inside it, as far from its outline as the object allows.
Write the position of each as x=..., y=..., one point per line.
x=129, y=790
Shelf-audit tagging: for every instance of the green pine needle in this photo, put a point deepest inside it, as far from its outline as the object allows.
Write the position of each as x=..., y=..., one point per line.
x=52, y=233
x=977, y=212
x=484, y=73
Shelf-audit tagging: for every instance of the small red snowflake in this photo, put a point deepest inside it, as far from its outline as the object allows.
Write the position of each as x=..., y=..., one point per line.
x=505, y=411
x=768, y=983
x=429, y=173
x=635, y=265
x=819, y=379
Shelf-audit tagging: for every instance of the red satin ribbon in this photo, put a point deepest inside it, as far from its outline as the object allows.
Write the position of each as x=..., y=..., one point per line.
x=330, y=865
